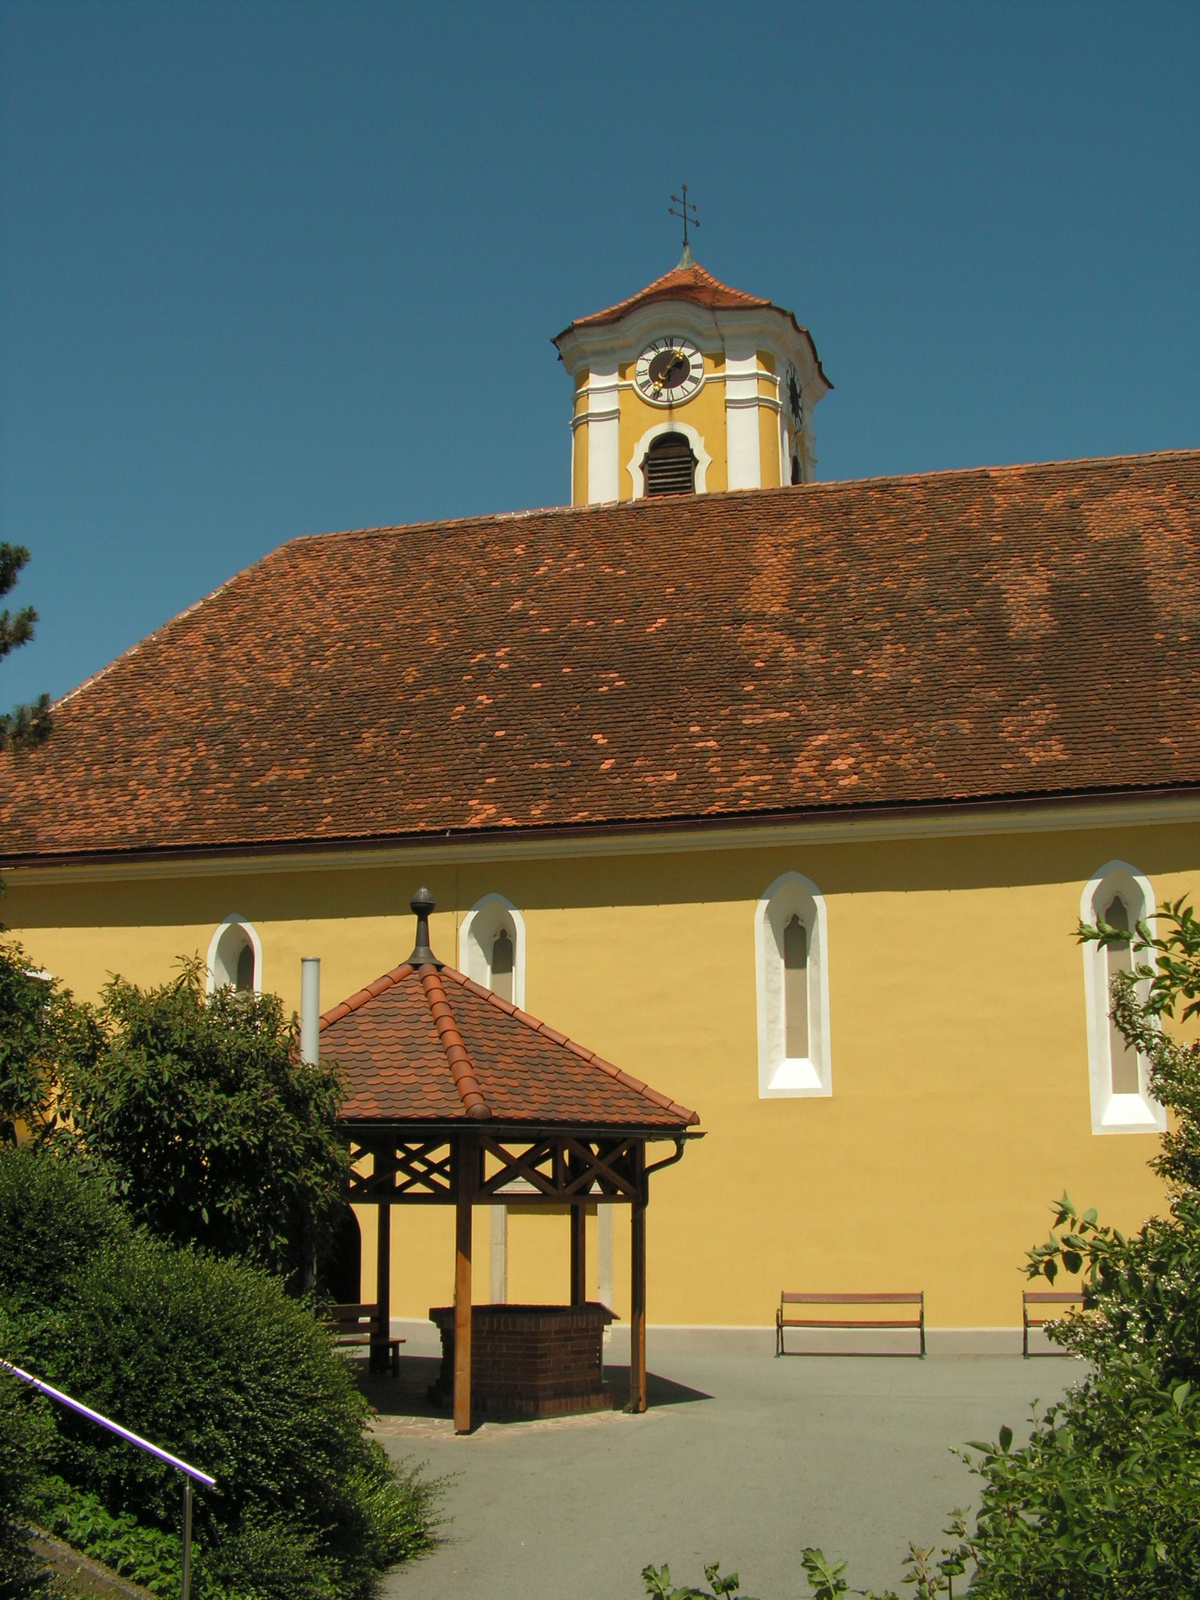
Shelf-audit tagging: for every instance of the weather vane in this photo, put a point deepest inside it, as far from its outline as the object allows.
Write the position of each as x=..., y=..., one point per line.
x=687, y=211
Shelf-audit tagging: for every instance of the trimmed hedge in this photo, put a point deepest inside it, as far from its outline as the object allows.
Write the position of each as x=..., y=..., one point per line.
x=211, y=1359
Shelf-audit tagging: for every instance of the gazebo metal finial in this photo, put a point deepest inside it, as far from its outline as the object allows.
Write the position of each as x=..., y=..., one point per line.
x=422, y=904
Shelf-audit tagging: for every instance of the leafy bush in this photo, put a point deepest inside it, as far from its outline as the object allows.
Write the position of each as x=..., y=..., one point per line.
x=213, y=1132
x=54, y=1217
x=25, y=1441
x=658, y=1584
x=41, y=1031
x=209, y=1358
x=146, y=1554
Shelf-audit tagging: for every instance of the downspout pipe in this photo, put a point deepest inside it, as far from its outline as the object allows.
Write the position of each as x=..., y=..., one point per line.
x=310, y=1010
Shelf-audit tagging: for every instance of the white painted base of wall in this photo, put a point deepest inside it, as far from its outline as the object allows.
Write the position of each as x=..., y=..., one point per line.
x=667, y=1339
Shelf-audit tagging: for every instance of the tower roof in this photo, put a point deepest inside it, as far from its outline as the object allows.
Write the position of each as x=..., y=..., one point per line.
x=683, y=282
x=694, y=284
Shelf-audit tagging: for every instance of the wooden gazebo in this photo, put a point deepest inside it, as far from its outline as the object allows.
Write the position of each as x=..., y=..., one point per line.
x=455, y=1096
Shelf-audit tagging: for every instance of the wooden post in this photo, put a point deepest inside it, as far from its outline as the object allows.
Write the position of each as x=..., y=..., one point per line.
x=578, y=1255
x=380, y=1357
x=467, y=1151
x=637, y=1297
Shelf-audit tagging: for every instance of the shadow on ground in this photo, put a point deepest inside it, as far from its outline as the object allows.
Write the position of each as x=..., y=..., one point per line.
x=407, y=1394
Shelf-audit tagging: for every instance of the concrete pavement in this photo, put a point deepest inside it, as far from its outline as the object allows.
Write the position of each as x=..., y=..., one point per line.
x=742, y=1458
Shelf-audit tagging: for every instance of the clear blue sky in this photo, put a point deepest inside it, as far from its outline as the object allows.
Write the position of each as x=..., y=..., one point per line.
x=273, y=268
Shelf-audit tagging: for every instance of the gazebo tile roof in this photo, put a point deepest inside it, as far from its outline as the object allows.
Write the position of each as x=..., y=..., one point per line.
x=428, y=1043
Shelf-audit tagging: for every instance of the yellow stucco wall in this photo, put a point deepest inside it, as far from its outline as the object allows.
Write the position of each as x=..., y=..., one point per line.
x=705, y=412
x=960, y=1104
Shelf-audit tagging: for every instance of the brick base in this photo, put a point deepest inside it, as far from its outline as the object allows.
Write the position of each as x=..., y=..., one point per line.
x=528, y=1361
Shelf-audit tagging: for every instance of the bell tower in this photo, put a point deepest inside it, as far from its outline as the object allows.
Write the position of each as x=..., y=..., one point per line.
x=690, y=386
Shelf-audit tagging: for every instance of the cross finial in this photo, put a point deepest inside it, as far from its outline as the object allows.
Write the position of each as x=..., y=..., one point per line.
x=687, y=212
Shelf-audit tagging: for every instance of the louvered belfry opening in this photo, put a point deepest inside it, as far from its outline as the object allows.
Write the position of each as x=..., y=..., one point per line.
x=670, y=465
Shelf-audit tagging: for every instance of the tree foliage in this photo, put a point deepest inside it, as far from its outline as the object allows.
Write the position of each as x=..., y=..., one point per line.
x=25, y=726
x=212, y=1130
x=211, y=1359
x=42, y=1031
x=25, y=1441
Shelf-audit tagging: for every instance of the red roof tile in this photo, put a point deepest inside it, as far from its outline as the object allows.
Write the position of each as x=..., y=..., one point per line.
x=681, y=283
x=698, y=287
x=429, y=1045
x=998, y=633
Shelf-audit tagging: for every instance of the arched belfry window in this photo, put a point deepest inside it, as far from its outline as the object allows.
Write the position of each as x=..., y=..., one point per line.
x=235, y=957
x=792, y=974
x=491, y=945
x=669, y=465
x=1121, y=1103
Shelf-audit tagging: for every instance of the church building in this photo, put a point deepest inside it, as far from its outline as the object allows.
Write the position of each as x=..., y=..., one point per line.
x=784, y=796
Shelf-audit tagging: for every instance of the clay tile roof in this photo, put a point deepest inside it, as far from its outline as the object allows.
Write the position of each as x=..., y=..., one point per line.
x=430, y=1045
x=993, y=634
x=681, y=283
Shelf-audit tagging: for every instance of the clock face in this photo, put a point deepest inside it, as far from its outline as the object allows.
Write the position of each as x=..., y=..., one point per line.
x=795, y=399
x=668, y=371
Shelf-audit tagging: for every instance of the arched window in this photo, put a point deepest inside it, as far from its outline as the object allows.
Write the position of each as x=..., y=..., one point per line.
x=491, y=946
x=669, y=465
x=793, y=990
x=1121, y=896
x=235, y=957
x=797, y=475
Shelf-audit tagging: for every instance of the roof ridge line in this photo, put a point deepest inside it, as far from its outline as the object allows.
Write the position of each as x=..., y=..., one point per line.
x=480, y=518
x=536, y=1025
x=462, y=1068
x=388, y=980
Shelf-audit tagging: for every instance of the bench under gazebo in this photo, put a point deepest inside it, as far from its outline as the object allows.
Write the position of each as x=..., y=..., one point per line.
x=457, y=1097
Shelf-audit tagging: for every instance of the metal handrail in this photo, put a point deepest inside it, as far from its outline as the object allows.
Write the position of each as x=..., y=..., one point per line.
x=189, y=1472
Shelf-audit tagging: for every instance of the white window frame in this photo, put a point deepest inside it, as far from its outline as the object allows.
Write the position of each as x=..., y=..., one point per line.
x=214, y=945
x=780, y=1077
x=1114, y=1113
x=476, y=935
x=635, y=466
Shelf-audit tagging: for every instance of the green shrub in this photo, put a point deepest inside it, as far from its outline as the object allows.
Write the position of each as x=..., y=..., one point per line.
x=26, y=1438
x=210, y=1128
x=212, y=1360
x=146, y=1554
x=54, y=1217
x=42, y=1030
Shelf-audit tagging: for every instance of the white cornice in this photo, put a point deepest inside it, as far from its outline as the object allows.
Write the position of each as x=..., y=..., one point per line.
x=614, y=343
x=944, y=822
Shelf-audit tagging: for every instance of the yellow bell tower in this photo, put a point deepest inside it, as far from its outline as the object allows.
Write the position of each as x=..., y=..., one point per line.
x=690, y=387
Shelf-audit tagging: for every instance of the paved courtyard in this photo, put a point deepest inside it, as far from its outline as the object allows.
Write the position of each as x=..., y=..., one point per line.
x=741, y=1458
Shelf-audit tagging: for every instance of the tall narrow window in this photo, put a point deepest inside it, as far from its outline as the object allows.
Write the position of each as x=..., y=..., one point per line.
x=235, y=957
x=502, y=964
x=1123, y=1060
x=1121, y=1102
x=491, y=944
x=793, y=990
x=670, y=466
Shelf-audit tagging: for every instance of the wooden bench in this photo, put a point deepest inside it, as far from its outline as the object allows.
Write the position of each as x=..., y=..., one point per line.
x=787, y=1298
x=358, y=1324
x=1034, y=1297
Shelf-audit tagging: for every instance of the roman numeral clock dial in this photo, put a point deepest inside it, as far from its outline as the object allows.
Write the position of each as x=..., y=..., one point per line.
x=668, y=371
